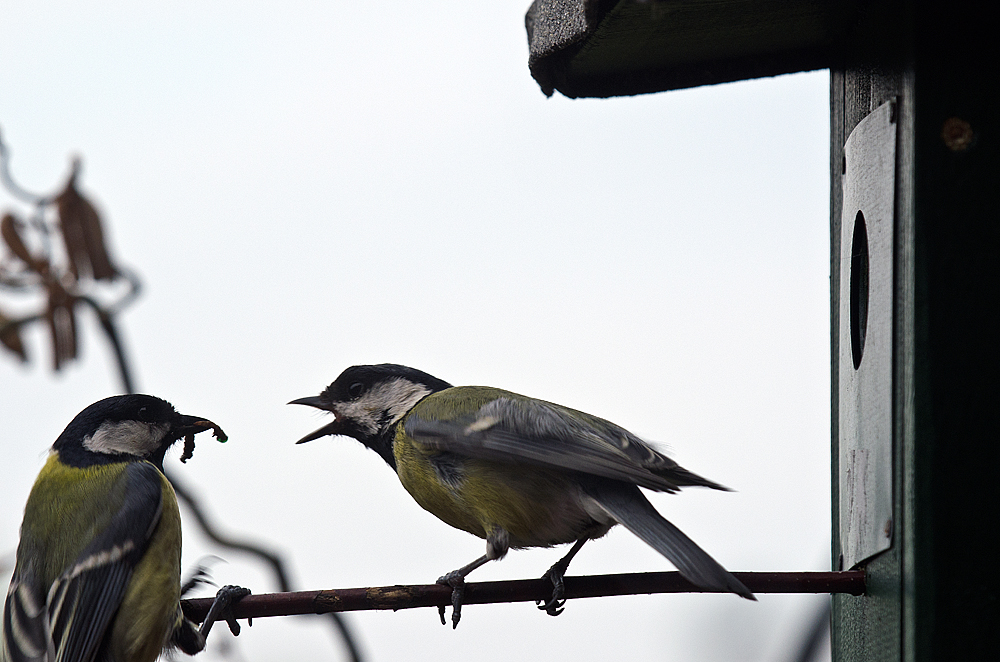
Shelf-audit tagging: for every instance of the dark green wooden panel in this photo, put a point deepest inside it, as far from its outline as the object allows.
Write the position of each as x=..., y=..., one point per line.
x=935, y=595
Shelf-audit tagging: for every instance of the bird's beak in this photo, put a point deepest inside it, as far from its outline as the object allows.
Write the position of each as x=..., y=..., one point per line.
x=192, y=425
x=311, y=401
x=333, y=428
x=188, y=426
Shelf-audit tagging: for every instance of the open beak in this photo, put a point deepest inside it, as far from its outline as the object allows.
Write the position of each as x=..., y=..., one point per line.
x=333, y=428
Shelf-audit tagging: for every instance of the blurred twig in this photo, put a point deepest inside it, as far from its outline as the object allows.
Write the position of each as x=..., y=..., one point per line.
x=809, y=649
x=525, y=590
x=54, y=284
x=271, y=558
x=12, y=187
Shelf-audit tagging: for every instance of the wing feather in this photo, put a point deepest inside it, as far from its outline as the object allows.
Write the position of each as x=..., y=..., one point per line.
x=516, y=429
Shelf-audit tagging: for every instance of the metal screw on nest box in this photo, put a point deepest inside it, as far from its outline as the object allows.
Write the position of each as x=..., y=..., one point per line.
x=957, y=134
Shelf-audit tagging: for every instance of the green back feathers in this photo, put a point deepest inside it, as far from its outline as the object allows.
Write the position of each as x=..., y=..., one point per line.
x=61, y=508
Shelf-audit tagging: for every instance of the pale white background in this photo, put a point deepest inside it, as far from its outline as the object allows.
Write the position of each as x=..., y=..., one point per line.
x=304, y=186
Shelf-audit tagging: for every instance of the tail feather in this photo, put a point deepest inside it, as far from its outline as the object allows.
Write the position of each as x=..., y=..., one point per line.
x=681, y=477
x=630, y=508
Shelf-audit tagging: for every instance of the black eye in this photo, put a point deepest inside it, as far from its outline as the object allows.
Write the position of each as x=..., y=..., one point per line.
x=355, y=390
x=143, y=414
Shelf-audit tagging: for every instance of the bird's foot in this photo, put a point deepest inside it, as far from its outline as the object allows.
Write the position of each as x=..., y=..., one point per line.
x=555, y=605
x=456, y=581
x=222, y=609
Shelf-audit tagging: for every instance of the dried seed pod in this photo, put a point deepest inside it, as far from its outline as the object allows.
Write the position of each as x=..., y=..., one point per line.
x=82, y=233
x=9, y=228
x=10, y=337
x=61, y=317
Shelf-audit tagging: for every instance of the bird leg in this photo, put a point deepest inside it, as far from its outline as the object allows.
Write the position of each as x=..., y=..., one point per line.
x=555, y=574
x=222, y=609
x=456, y=580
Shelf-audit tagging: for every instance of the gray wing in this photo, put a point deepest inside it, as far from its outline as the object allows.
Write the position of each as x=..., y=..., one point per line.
x=67, y=621
x=520, y=430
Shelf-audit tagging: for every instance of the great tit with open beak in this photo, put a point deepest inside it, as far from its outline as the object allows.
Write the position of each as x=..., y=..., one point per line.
x=98, y=565
x=516, y=471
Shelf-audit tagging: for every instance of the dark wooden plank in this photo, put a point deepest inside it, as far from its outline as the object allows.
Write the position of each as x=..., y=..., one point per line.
x=602, y=48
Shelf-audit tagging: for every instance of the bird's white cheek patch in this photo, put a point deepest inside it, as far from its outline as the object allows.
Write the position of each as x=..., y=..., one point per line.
x=395, y=397
x=126, y=437
x=384, y=404
x=360, y=415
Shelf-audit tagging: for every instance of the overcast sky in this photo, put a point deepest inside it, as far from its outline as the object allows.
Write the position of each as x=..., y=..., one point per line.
x=305, y=186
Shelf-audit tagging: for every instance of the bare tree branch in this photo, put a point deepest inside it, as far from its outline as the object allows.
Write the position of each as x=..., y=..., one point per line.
x=525, y=590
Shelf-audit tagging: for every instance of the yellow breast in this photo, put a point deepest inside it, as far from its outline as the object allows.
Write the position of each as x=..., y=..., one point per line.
x=536, y=507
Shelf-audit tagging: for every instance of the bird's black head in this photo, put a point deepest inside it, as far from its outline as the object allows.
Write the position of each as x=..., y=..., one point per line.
x=128, y=427
x=367, y=400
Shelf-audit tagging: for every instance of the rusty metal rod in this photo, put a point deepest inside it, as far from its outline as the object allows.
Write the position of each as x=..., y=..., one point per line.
x=524, y=590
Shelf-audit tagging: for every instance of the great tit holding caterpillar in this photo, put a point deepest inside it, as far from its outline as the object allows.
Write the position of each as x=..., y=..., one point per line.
x=98, y=565
x=516, y=471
